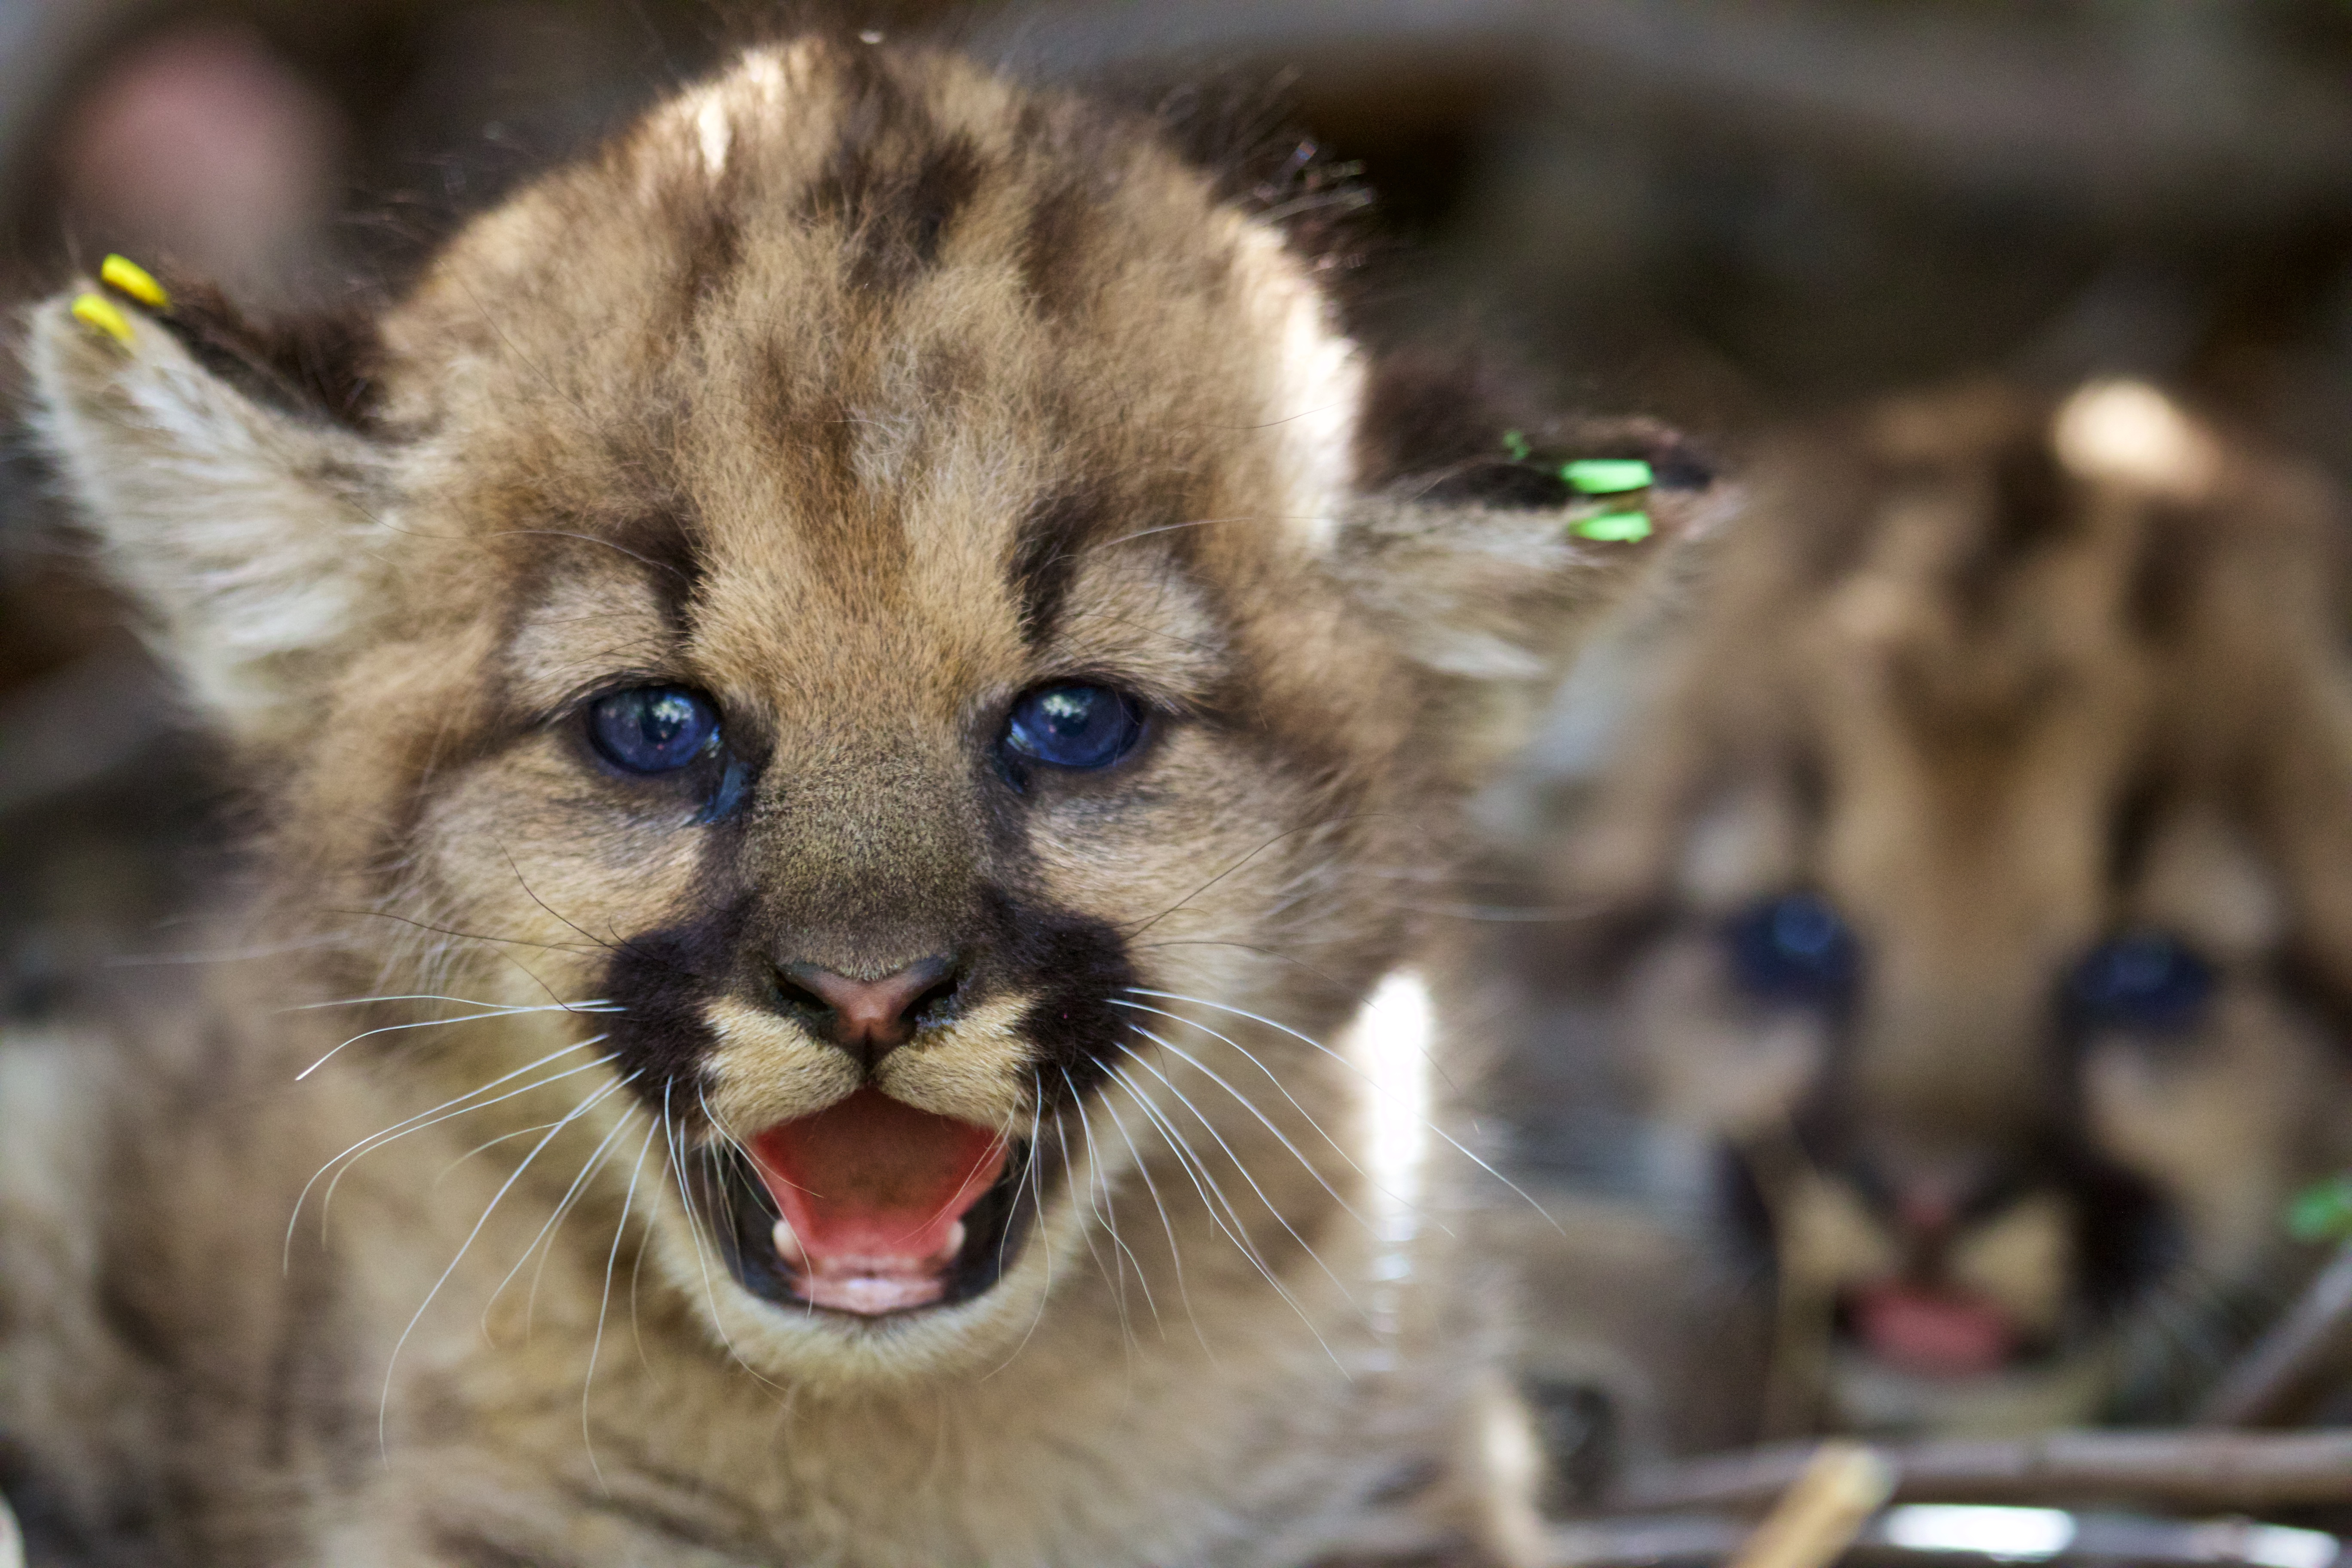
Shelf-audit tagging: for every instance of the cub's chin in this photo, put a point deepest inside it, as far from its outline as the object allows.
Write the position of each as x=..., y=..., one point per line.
x=870, y=1239
x=2064, y=1390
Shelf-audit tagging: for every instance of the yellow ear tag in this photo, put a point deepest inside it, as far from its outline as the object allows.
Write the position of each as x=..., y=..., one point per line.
x=121, y=272
x=103, y=315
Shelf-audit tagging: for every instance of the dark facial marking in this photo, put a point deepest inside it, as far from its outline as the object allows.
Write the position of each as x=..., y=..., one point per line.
x=2126, y=1235
x=2131, y=832
x=662, y=980
x=2315, y=982
x=1078, y=964
x=1046, y=558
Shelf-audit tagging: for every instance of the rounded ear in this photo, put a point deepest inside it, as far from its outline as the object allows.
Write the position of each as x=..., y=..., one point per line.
x=1488, y=544
x=233, y=506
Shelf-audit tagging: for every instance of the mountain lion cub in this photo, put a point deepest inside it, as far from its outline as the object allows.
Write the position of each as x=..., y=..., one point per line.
x=841, y=697
x=1984, y=863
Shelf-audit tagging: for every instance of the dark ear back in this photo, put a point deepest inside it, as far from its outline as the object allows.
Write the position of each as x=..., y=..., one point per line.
x=224, y=472
x=1488, y=539
x=1456, y=430
x=315, y=365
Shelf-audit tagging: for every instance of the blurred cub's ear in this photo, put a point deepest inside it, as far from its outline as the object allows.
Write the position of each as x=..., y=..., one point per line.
x=1489, y=541
x=225, y=472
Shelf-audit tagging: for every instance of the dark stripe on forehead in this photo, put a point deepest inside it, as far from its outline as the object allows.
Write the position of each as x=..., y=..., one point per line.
x=668, y=542
x=1046, y=558
x=896, y=182
x=944, y=183
x=1054, y=250
x=2131, y=832
x=643, y=509
x=2029, y=508
x=711, y=245
x=2178, y=548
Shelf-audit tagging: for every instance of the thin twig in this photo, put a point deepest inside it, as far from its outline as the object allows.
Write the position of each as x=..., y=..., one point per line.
x=1823, y=1512
x=2186, y=1468
x=2258, y=1389
x=1901, y=1537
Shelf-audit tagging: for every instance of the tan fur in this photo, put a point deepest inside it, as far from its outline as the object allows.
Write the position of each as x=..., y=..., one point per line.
x=863, y=393
x=1999, y=678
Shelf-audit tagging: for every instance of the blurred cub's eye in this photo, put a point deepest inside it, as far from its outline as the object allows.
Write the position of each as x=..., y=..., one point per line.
x=2144, y=980
x=1794, y=948
x=1074, y=726
x=652, y=729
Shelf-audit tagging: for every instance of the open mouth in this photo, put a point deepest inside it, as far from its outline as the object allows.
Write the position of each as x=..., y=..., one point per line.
x=1932, y=1331
x=871, y=1206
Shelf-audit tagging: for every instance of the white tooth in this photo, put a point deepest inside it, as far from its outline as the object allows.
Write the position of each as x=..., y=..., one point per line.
x=951, y=1243
x=788, y=1246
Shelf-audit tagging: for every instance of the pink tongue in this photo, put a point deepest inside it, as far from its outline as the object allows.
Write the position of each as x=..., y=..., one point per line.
x=1936, y=1333
x=874, y=1193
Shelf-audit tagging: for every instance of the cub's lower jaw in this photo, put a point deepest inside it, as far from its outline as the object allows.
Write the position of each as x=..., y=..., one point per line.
x=872, y=1207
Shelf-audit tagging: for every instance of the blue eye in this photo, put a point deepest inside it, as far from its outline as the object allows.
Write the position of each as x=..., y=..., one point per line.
x=2145, y=980
x=1074, y=726
x=652, y=729
x=1794, y=948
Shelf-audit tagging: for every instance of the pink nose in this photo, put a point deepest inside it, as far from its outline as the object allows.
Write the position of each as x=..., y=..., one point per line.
x=869, y=1018
x=1927, y=1211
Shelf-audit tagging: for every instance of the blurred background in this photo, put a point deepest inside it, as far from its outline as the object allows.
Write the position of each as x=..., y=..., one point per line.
x=1718, y=213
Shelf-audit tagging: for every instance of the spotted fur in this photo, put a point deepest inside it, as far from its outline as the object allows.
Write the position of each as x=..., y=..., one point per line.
x=860, y=392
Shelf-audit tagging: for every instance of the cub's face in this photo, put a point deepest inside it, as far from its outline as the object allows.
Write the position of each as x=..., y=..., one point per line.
x=1982, y=935
x=884, y=600
x=886, y=692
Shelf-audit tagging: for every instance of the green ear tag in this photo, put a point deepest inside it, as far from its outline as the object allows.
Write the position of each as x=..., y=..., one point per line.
x=1515, y=444
x=1612, y=526
x=2321, y=1212
x=1606, y=476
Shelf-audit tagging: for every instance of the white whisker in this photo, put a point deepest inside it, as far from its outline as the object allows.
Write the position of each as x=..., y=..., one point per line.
x=295, y=1218
x=1252, y=1058
x=1238, y=1163
x=1107, y=1209
x=1036, y=1177
x=1175, y=1252
x=603, y=1301
x=598, y=1005
x=1186, y=1159
x=554, y=1220
x=327, y=1199
x=1458, y=1146
x=383, y=1405
x=694, y=1229
x=1117, y=1282
x=433, y=1024
x=488, y=1143
x=1218, y=1078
